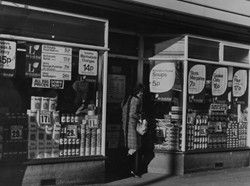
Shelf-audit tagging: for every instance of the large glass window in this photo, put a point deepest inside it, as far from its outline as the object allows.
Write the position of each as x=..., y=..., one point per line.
x=166, y=79
x=217, y=107
x=51, y=101
x=47, y=25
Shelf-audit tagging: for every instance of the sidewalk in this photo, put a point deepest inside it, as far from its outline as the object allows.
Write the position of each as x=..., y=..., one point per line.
x=225, y=177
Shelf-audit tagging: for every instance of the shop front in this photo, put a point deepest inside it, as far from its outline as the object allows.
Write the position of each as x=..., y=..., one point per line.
x=200, y=91
x=53, y=74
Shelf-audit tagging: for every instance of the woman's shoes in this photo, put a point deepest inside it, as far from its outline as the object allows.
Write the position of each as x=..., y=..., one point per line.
x=135, y=174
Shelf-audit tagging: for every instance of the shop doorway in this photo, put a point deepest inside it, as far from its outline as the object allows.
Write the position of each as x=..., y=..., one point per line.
x=122, y=76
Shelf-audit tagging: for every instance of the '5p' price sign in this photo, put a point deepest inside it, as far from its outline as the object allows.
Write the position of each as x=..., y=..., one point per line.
x=88, y=62
x=8, y=54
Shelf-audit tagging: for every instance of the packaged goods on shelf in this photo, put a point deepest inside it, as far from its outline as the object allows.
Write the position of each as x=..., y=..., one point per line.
x=83, y=138
x=98, y=142
x=87, y=141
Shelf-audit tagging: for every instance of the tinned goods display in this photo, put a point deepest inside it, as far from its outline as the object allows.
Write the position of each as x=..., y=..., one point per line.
x=53, y=134
x=197, y=137
x=13, y=137
x=80, y=137
x=168, y=130
x=216, y=129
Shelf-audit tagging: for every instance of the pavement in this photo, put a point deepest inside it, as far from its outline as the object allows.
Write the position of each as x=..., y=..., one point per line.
x=225, y=177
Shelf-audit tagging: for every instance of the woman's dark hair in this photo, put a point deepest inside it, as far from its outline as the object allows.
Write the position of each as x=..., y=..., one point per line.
x=138, y=88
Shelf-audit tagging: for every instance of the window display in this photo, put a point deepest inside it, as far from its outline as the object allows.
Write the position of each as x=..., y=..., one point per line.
x=60, y=112
x=166, y=84
x=200, y=92
x=217, y=109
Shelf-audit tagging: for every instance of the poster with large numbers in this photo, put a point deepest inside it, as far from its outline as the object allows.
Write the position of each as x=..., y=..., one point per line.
x=7, y=58
x=88, y=63
x=219, y=83
x=240, y=86
x=162, y=80
x=196, y=82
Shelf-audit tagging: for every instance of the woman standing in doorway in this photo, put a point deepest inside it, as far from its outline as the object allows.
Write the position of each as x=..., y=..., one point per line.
x=131, y=114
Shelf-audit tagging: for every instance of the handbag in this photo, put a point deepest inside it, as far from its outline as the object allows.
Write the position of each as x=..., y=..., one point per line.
x=141, y=127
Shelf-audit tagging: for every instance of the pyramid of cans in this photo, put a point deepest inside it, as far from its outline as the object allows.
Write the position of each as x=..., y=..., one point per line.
x=53, y=134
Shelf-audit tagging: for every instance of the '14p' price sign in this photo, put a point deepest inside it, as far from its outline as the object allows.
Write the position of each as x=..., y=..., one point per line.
x=88, y=63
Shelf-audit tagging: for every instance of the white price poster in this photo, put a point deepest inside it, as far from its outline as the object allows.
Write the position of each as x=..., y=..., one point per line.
x=239, y=83
x=56, y=62
x=88, y=62
x=196, y=79
x=7, y=55
x=162, y=77
x=219, y=81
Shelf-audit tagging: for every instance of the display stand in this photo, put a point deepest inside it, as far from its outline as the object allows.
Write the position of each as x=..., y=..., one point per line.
x=200, y=88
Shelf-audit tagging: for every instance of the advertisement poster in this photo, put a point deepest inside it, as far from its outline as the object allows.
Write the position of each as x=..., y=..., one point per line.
x=240, y=88
x=219, y=84
x=56, y=62
x=116, y=88
x=88, y=62
x=165, y=79
x=162, y=77
x=196, y=83
x=7, y=58
x=47, y=83
x=33, y=60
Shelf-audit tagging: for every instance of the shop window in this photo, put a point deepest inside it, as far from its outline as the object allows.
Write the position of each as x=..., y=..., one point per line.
x=50, y=101
x=166, y=87
x=235, y=54
x=203, y=49
x=217, y=107
x=45, y=25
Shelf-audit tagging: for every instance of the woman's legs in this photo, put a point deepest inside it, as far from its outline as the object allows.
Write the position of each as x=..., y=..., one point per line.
x=134, y=164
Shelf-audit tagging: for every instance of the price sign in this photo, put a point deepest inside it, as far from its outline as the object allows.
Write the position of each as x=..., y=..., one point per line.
x=45, y=117
x=162, y=77
x=8, y=54
x=196, y=79
x=71, y=131
x=239, y=83
x=219, y=81
x=218, y=127
x=93, y=121
x=88, y=62
x=202, y=131
x=16, y=132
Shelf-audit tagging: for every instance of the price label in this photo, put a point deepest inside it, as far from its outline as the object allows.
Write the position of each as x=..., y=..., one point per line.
x=203, y=131
x=196, y=79
x=88, y=62
x=45, y=117
x=16, y=132
x=93, y=121
x=162, y=77
x=71, y=131
x=8, y=54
